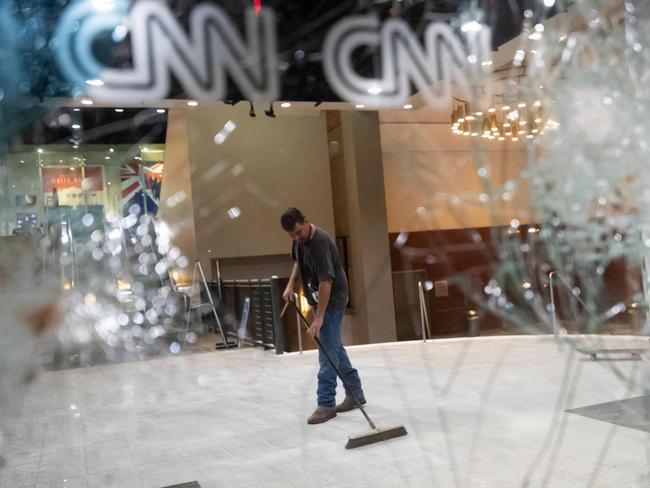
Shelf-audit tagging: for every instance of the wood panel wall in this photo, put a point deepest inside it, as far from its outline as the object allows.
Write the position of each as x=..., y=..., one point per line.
x=468, y=258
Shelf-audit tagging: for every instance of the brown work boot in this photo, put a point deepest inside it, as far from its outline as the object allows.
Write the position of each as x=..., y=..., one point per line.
x=348, y=404
x=321, y=414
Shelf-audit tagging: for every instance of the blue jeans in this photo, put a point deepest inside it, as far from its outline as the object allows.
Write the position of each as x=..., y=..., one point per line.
x=330, y=339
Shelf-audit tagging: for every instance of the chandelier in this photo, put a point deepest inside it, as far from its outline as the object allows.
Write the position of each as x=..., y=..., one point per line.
x=514, y=121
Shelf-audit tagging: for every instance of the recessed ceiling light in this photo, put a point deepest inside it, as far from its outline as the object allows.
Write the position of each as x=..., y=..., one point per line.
x=87, y=101
x=94, y=82
x=111, y=150
x=107, y=157
x=285, y=105
x=408, y=106
x=160, y=110
x=234, y=212
x=22, y=161
x=359, y=106
x=76, y=109
x=39, y=150
x=76, y=126
x=119, y=110
x=192, y=103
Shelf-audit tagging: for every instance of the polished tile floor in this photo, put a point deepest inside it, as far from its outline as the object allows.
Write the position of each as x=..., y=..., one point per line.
x=484, y=412
x=631, y=412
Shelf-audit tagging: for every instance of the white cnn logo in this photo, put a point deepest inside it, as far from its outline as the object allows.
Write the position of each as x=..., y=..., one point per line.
x=201, y=59
x=160, y=47
x=403, y=61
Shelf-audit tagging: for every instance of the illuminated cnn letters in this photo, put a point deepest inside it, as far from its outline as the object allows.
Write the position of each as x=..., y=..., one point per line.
x=161, y=47
x=432, y=70
x=201, y=58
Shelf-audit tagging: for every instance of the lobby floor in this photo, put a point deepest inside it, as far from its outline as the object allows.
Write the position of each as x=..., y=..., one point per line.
x=483, y=412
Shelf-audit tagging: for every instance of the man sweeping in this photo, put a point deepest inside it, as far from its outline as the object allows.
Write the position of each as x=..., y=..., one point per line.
x=326, y=288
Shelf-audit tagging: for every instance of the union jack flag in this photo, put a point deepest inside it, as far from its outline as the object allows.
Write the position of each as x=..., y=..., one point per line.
x=133, y=191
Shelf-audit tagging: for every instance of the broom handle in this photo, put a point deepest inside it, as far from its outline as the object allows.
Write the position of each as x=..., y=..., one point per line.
x=370, y=422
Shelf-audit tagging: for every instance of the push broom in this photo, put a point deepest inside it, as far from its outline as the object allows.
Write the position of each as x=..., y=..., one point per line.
x=375, y=434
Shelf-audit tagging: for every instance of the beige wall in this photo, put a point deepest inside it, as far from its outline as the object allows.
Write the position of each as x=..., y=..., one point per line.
x=253, y=267
x=263, y=167
x=360, y=213
x=431, y=175
x=362, y=154
x=176, y=208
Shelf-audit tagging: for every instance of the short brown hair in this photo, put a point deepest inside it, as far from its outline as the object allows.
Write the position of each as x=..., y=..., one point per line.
x=291, y=217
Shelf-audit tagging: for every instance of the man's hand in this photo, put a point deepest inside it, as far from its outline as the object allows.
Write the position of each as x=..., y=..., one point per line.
x=287, y=296
x=314, y=328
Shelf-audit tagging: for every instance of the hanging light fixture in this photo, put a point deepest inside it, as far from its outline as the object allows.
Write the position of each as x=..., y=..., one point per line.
x=514, y=119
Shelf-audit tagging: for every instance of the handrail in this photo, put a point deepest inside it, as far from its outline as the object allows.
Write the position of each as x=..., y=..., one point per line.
x=125, y=268
x=219, y=280
x=255, y=281
x=565, y=283
x=424, y=315
x=296, y=298
x=245, y=283
x=46, y=241
x=73, y=253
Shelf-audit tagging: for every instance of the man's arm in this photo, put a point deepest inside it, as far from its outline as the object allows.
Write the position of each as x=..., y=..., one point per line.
x=324, y=290
x=290, y=289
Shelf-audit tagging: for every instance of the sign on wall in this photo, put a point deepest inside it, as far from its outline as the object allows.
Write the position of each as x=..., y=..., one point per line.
x=73, y=186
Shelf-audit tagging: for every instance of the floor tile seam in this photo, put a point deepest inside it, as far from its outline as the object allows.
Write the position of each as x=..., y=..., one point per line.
x=188, y=461
x=40, y=452
x=591, y=462
x=112, y=472
x=106, y=468
x=113, y=454
x=84, y=451
x=100, y=458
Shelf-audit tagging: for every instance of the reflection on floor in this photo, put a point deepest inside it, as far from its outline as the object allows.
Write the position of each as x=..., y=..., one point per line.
x=631, y=412
x=54, y=358
x=486, y=412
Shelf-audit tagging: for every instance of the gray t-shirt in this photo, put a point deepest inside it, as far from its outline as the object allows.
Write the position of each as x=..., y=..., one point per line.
x=318, y=260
